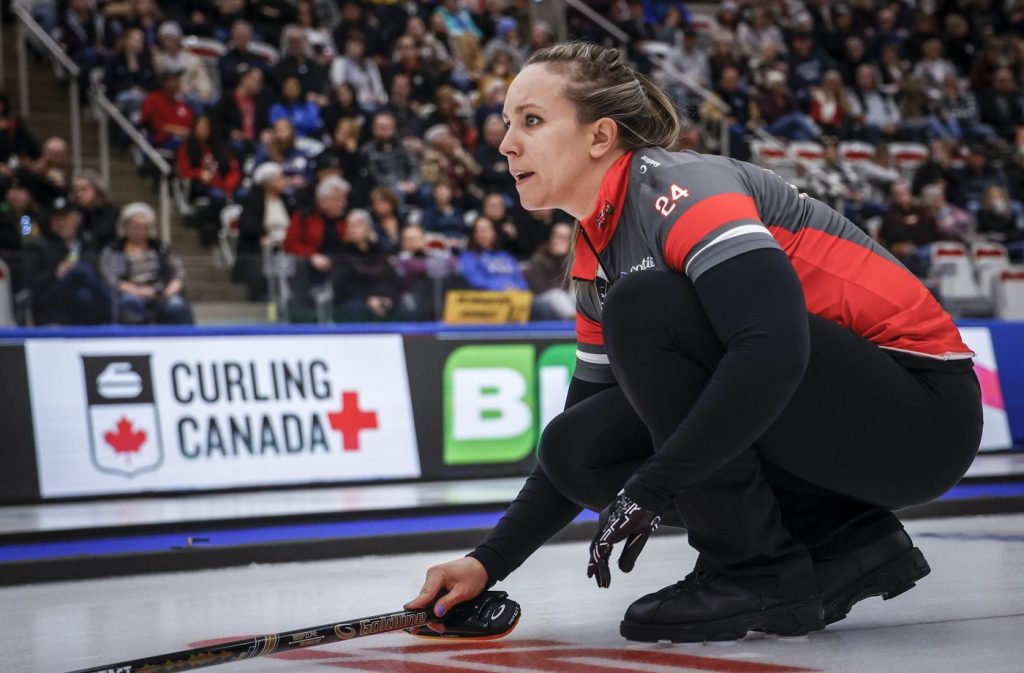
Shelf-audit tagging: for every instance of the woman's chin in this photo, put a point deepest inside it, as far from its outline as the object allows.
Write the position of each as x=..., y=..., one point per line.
x=532, y=203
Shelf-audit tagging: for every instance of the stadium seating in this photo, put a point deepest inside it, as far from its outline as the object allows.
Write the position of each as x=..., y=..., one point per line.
x=774, y=156
x=807, y=151
x=265, y=51
x=908, y=156
x=989, y=259
x=1009, y=293
x=856, y=151
x=204, y=47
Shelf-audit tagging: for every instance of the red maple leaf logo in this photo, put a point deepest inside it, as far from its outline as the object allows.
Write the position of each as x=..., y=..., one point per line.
x=126, y=439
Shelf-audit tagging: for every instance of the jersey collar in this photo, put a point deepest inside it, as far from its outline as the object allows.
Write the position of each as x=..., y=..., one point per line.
x=600, y=225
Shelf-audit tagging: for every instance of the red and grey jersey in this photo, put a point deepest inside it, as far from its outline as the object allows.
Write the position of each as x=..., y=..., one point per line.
x=688, y=212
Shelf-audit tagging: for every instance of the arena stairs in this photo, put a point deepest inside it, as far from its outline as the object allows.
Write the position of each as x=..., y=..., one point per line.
x=215, y=299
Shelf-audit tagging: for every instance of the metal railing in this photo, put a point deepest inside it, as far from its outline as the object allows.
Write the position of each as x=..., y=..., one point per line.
x=706, y=95
x=106, y=110
x=601, y=21
x=109, y=111
x=27, y=25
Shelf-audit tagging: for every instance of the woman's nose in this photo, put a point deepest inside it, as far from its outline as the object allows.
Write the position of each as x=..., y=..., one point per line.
x=508, y=144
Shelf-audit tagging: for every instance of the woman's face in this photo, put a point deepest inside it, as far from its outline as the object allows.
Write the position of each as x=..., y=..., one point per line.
x=136, y=230
x=381, y=205
x=484, y=234
x=442, y=195
x=445, y=103
x=170, y=43
x=134, y=42
x=545, y=144
x=502, y=64
x=494, y=132
x=83, y=192
x=333, y=203
x=415, y=27
x=357, y=230
x=291, y=89
x=202, y=132
x=494, y=207
x=413, y=239
x=283, y=131
x=305, y=14
x=19, y=198
x=275, y=185
x=561, y=240
x=341, y=133
x=355, y=49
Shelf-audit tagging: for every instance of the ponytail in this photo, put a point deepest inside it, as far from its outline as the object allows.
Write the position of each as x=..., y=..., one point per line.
x=602, y=83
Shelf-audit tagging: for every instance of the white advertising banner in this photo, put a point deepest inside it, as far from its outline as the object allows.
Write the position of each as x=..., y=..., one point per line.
x=996, y=433
x=172, y=414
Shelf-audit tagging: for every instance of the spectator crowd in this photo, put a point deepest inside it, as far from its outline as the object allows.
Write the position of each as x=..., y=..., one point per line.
x=359, y=140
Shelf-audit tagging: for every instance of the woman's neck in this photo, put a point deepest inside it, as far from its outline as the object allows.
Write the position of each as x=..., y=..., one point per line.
x=590, y=185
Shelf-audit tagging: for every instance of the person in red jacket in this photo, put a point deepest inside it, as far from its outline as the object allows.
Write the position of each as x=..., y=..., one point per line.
x=317, y=234
x=213, y=174
x=165, y=114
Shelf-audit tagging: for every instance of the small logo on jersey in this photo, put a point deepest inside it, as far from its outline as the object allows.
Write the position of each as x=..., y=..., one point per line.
x=602, y=217
x=667, y=203
x=646, y=263
x=648, y=162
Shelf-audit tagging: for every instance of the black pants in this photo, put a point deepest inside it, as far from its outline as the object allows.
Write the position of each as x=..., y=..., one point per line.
x=864, y=434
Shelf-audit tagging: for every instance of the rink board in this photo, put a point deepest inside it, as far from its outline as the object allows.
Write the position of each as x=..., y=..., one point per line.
x=98, y=413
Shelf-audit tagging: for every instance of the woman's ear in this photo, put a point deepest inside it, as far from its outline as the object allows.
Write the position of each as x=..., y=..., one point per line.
x=604, y=137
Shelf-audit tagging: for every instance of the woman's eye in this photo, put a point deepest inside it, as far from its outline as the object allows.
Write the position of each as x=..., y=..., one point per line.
x=532, y=120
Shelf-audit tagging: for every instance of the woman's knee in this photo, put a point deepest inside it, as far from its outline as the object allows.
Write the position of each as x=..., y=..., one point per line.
x=562, y=460
x=657, y=308
x=560, y=464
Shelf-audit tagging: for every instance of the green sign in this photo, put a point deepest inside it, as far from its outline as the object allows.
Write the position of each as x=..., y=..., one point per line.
x=497, y=399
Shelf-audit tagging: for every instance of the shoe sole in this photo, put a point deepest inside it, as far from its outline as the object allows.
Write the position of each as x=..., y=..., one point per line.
x=888, y=581
x=796, y=619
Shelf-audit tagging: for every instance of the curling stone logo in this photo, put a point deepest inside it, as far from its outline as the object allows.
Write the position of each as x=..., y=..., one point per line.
x=124, y=436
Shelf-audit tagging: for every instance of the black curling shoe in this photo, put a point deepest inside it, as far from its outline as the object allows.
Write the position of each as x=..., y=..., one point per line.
x=706, y=607
x=886, y=567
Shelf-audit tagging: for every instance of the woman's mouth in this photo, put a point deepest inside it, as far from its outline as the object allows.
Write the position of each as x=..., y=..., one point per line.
x=522, y=176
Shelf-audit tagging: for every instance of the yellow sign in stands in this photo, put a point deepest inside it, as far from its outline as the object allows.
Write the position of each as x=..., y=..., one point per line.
x=462, y=307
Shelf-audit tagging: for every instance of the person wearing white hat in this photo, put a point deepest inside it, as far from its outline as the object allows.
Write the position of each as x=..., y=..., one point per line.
x=147, y=277
x=266, y=212
x=170, y=56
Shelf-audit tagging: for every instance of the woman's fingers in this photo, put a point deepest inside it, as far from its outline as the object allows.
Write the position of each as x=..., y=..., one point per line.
x=433, y=584
x=456, y=594
x=454, y=582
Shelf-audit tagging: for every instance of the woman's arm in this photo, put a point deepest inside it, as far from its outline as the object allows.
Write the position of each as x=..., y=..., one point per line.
x=537, y=514
x=755, y=304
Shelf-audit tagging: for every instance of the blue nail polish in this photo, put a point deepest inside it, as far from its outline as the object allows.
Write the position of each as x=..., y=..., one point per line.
x=439, y=610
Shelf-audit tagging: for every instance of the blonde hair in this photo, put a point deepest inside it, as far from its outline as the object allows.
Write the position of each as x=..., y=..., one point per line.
x=601, y=82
